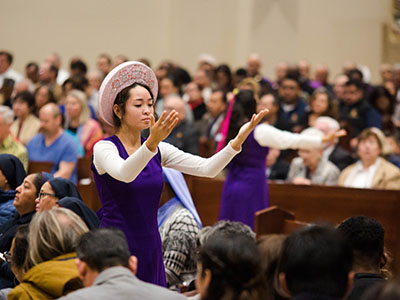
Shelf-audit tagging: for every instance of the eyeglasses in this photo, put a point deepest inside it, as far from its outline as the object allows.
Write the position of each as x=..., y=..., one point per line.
x=6, y=256
x=41, y=195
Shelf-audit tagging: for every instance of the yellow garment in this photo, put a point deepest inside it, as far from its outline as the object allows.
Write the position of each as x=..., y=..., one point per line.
x=11, y=146
x=48, y=280
x=30, y=127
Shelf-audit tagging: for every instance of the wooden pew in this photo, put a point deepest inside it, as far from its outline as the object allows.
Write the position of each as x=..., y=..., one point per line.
x=314, y=204
x=39, y=166
x=276, y=220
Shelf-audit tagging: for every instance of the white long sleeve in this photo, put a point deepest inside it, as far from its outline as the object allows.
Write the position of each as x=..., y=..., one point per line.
x=107, y=160
x=269, y=136
x=191, y=164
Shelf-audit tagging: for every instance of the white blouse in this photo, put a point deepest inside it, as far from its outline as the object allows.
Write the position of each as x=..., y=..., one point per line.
x=107, y=160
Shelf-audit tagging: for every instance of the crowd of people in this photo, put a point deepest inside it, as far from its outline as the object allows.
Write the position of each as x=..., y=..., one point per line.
x=142, y=129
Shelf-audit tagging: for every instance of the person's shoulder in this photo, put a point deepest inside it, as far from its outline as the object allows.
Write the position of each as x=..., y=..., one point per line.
x=160, y=292
x=35, y=140
x=390, y=167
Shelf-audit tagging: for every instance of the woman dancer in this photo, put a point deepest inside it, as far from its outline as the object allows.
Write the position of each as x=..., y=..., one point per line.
x=245, y=190
x=127, y=168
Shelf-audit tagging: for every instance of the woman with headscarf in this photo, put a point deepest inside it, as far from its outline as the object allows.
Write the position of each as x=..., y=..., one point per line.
x=12, y=173
x=24, y=203
x=63, y=193
x=179, y=224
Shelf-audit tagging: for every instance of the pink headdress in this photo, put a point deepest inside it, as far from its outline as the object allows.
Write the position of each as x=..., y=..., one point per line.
x=119, y=78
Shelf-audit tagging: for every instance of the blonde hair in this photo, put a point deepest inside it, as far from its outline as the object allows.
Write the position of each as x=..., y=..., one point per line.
x=53, y=233
x=82, y=99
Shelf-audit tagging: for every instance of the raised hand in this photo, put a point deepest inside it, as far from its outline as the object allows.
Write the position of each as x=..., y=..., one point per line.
x=331, y=137
x=246, y=128
x=161, y=129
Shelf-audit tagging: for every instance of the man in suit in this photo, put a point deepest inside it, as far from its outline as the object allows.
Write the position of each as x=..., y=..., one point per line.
x=107, y=270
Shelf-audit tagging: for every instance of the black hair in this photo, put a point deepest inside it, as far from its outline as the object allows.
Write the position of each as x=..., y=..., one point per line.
x=227, y=71
x=79, y=66
x=8, y=55
x=366, y=236
x=317, y=260
x=123, y=97
x=224, y=94
x=26, y=97
x=103, y=248
x=78, y=82
x=54, y=70
x=378, y=92
x=355, y=74
x=293, y=76
x=18, y=254
x=356, y=83
x=235, y=266
x=244, y=107
x=32, y=64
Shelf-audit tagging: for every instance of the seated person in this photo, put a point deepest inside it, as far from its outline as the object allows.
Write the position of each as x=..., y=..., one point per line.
x=335, y=153
x=366, y=237
x=50, y=262
x=8, y=143
x=79, y=123
x=179, y=224
x=371, y=170
x=183, y=136
x=12, y=174
x=229, y=267
x=24, y=203
x=26, y=124
x=108, y=270
x=310, y=167
x=54, y=145
x=316, y=264
x=277, y=168
x=63, y=193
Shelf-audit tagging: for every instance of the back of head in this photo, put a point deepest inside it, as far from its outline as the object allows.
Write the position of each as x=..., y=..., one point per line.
x=316, y=260
x=244, y=107
x=53, y=233
x=234, y=263
x=103, y=248
x=366, y=236
x=226, y=228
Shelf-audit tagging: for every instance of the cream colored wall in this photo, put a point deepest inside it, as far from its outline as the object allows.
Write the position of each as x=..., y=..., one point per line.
x=322, y=31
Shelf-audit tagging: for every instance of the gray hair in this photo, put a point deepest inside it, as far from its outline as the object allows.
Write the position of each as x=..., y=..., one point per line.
x=52, y=233
x=332, y=123
x=7, y=114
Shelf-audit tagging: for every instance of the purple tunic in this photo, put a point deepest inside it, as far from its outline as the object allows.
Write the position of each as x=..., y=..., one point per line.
x=245, y=190
x=132, y=207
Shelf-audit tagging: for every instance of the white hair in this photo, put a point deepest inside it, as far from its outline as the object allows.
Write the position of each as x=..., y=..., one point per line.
x=332, y=123
x=7, y=114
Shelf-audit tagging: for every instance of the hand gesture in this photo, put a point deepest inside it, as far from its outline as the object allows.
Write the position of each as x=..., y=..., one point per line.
x=246, y=128
x=331, y=137
x=161, y=129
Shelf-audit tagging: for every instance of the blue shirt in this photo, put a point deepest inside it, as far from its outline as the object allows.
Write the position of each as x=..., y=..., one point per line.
x=62, y=149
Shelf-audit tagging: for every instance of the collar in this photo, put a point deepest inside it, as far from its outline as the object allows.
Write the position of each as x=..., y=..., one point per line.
x=359, y=166
x=113, y=272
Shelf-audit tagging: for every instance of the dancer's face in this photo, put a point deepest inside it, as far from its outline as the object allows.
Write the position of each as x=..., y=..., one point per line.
x=138, y=109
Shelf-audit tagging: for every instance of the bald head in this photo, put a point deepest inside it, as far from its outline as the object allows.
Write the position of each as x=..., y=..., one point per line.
x=50, y=119
x=321, y=73
x=253, y=64
x=174, y=102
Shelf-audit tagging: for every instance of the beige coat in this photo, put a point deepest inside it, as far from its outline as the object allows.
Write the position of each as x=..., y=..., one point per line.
x=387, y=176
